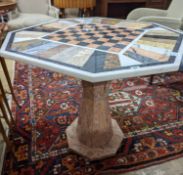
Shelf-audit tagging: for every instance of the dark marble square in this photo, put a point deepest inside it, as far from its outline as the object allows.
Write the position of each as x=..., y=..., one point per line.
x=107, y=36
x=127, y=39
x=79, y=39
x=90, y=34
x=113, y=41
x=76, y=35
x=60, y=32
x=119, y=46
x=64, y=40
x=126, y=30
x=48, y=37
x=121, y=35
x=103, y=33
x=103, y=47
x=134, y=34
x=94, y=38
x=98, y=42
x=83, y=44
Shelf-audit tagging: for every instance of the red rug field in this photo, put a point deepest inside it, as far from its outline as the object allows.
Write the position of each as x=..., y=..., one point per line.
x=150, y=116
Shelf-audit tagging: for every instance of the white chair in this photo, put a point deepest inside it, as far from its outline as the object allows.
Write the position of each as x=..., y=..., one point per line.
x=32, y=12
x=173, y=17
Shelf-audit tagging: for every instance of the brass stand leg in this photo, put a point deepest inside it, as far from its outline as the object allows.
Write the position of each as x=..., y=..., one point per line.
x=6, y=139
x=2, y=130
x=6, y=102
x=3, y=63
x=3, y=110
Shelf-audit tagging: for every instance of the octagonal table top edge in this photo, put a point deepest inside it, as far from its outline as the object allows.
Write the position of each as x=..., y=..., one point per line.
x=131, y=71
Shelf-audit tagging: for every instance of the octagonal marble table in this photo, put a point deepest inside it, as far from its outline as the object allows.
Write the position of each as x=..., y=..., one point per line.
x=96, y=50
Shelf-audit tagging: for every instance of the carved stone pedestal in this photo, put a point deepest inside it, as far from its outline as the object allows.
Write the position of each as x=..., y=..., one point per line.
x=94, y=134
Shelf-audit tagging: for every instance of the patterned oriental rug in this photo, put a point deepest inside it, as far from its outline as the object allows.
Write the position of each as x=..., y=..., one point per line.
x=150, y=116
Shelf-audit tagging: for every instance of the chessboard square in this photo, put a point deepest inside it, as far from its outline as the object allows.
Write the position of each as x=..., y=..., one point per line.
x=113, y=41
x=124, y=33
x=99, y=36
x=94, y=38
x=72, y=31
x=74, y=42
x=132, y=37
x=134, y=34
x=103, y=47
x=79, y=39
x=117, y=30
x=79, y=33
x=112, y=34
x=109, y=44
x=76, y=35
x=93, y=46
x=48, y=37
x=121, y=35
x=98, y=42
x=137, y=33
x=88, y=40
x=83, y=43
x=54, y=38
x=62, y=35
x=64, y=40
x=71, y=38
x=124, y=43
x=55, y=35
x=107, y=36
x=103, y=39
x=117, y=38
x=103, y=33
x=128, y=31
x=85, y=37
x=128, y=39
x=61, y=32
x=115, y=49
x=119, y=46
x=90, y=34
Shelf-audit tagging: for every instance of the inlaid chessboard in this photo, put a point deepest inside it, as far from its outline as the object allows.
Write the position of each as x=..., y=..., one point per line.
x=96, y=36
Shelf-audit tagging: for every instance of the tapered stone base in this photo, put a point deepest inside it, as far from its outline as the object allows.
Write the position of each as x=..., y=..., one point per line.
x=94, y=153
x=94, y=134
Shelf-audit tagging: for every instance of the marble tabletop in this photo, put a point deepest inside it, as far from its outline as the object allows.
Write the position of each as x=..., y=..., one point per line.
x=97, y=49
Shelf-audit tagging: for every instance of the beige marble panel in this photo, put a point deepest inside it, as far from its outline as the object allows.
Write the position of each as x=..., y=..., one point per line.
x=159, y=40
x=29, y=34
x=155, y=43
x=78, y=57
x=149, y=54
x=162, y=32
x=133, y=25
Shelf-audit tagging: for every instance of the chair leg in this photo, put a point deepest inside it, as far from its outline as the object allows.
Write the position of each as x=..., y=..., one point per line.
x=151, y=80
x=80, y=13
x=62, y=13
x=3, y=63
x=91, y=12
x=6, y=102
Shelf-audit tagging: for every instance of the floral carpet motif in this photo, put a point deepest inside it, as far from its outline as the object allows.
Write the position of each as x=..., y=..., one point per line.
x=151, y=118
